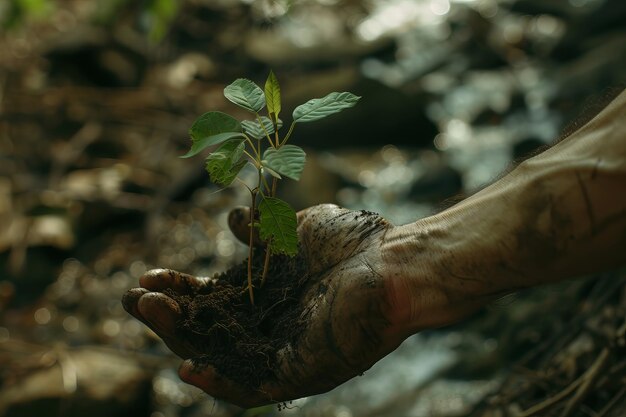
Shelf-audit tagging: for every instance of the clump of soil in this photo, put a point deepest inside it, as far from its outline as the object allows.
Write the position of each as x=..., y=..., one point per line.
x=240, y=339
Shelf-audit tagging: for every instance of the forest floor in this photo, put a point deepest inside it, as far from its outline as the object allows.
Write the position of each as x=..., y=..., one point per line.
x=93, y=194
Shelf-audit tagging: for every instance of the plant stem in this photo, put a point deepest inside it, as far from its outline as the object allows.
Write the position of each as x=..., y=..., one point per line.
x=251, y=248
x=253, y=194
x=293, y=124
x=242, y=183
x=267, y=186
x=267, y=135
x=249, y=155
x=268, y=251
x=266, y=263
x=257, y=152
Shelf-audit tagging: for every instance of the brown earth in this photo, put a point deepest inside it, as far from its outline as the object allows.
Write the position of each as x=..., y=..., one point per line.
x=240, y=339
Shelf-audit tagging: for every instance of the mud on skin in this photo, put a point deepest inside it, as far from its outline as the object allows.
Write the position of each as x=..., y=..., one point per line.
x=318, y=321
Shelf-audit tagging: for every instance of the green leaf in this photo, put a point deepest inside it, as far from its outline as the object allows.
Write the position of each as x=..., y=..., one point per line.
x=278, y=226
x=245, y=94
x=288, y=160
x=272, y=95
x=224, y=164
x=212, y=128
x=204, y=143
x=272, y=172
x=254, y=129
x=318, y=108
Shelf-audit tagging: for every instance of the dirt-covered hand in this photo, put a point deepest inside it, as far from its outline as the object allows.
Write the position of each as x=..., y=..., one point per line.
x=355, y=307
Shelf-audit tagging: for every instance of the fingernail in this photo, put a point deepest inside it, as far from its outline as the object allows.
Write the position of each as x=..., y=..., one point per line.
x=152, y=274
x=189, y=372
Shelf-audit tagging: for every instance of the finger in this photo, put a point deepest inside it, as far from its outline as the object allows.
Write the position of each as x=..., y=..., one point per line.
x=210, y=381
x=319, y=213
x=239, y=224
x=162, y=314
x=148, y=308
x=159, y=280
x=130, y=300
x=330, y=234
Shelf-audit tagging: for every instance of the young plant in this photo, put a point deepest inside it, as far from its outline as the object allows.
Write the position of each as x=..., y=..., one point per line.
x=258, y=142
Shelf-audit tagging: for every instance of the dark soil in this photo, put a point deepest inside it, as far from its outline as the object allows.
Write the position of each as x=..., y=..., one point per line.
x=240, y=339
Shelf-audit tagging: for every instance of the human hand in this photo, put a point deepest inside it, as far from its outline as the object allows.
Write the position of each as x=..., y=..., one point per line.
x=364, y=302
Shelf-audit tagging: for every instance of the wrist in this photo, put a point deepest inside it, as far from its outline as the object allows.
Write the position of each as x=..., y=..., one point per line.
x=552, y=218
x=558, y=215
x=423, y=290
x=447, y=266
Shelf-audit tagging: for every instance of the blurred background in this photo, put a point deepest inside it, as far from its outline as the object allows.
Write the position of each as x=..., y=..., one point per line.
x=96, y=98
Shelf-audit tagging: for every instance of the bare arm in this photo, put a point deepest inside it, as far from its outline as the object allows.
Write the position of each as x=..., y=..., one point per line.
x=558, y=215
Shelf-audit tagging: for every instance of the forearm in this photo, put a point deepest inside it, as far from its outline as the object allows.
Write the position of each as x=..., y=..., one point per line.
x=558, y=215
x=546, y=223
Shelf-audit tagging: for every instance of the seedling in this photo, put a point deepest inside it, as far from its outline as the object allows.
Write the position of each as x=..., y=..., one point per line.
x=258, y=142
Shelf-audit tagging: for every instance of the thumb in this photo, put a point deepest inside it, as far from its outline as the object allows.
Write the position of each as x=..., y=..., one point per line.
x=239, y=223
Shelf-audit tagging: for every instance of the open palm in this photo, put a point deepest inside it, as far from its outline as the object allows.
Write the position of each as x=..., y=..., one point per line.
x=347, y=329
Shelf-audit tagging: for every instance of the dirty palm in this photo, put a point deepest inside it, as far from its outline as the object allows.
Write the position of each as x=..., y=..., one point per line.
x=295, y=318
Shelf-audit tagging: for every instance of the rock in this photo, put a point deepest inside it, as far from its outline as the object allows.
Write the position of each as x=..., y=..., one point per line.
x=78, y=382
